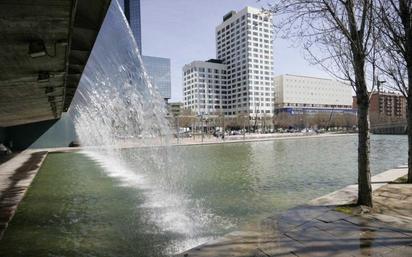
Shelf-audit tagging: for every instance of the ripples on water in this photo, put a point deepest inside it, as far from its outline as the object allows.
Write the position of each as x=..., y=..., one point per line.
x=154, y=201
x=216, y=189
x=87, y=204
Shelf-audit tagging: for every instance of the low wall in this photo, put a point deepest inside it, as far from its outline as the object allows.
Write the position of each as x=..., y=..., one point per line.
x=396, y=130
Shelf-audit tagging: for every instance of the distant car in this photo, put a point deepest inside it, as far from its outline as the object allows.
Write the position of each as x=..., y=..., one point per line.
x=185, y=134
x=217, y=134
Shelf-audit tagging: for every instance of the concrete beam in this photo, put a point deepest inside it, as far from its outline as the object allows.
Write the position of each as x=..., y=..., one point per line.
x=68, y=30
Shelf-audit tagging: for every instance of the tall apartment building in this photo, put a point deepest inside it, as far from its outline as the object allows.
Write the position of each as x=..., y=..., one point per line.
x=244, y=45
x=303, y=94
x=205, y=87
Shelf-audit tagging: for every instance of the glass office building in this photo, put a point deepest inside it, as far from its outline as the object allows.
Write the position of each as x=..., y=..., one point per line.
x=158, y=69
x=132, y=12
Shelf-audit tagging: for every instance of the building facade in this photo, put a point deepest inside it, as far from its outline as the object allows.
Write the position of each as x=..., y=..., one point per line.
x=303, y=94
x=387, y=106
x=244, y=48
x=132, y=13
x=175, y=109
x=205, y=87
x=244, y=44
x=158, y=69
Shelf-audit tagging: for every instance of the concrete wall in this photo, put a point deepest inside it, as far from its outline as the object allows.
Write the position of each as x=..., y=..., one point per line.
x=45, y=134
x=60, y=134
x=395, y=130
x=22, y=136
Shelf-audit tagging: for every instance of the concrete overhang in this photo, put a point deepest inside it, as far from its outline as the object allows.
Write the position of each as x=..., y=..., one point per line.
x=34, y=89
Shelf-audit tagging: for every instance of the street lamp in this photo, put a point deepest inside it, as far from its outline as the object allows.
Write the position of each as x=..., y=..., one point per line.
x=201, y=123
x=378, y=85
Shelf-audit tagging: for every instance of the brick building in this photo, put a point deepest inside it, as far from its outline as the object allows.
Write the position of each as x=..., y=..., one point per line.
x=386, y=106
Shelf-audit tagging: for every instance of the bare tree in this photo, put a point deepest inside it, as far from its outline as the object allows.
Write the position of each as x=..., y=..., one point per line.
x=338, y=35
x=395, y=23
x=187, y=118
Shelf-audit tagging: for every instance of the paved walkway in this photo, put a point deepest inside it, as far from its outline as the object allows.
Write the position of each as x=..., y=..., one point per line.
x=328, y=230
x=313, y=231
x=393, y=205
x=349, y=194
x=208, y=140
x=255, y=137
x=16, y=176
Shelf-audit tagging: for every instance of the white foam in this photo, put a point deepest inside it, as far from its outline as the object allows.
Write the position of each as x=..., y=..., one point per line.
x=116, y=104
x=169, y=211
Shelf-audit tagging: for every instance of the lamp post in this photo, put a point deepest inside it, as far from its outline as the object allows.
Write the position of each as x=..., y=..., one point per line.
x=178, y=129
x=331, y=114
x=378, y=85
x=202, y=126
x=244, y=127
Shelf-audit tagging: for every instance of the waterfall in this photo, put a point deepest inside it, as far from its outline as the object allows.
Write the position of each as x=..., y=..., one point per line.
x=117, y=107
x=115, y=97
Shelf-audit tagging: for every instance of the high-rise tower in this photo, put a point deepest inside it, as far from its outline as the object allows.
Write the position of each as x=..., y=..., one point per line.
x=244, y=44
x=158, y=68
x=132, y=13
x=243, y=83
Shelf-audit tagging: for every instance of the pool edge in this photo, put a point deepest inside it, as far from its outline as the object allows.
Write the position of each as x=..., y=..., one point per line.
x=16, y=176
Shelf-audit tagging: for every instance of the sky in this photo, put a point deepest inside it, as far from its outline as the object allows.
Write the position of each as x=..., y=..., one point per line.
x=184, y=31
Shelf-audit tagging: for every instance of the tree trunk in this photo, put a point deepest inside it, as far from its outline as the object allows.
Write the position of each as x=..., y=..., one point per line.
x=409, y=117
x=364, y=174
x=409, y=94
x=359, y=58
x=364, y=171
x=405, y=15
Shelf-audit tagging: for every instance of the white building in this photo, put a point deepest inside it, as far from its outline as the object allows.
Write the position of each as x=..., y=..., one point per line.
x=205, y=87
x=244, y=44
x=302, y=94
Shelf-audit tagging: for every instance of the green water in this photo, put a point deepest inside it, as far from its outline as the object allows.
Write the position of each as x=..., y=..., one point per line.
x=78, y=206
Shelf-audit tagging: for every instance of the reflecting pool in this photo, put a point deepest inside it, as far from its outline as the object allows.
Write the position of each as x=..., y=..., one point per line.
x=85, y=204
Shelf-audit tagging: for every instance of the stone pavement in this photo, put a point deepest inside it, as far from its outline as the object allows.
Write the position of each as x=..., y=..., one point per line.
x=312, y=231
x=349, y=194
x=328, y=230
x=393, y=205
x=16, y=176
